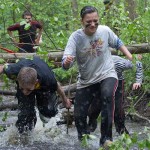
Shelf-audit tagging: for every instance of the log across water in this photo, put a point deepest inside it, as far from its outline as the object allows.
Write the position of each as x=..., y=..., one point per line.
x=57, y=56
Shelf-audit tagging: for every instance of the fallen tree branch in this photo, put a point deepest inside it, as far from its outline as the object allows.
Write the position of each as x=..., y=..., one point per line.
x=10, y=105
x=139, y=99
x=72, y=88
x=10, y=93
x=57, y=56
x=139, y=116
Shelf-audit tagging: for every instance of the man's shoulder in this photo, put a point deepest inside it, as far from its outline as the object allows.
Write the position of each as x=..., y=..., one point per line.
x=35, y=22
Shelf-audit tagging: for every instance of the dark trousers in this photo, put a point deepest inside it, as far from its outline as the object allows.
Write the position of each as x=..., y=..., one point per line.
x=85, y=96
x=26, y=48
x=46, y=104
x=119, y=115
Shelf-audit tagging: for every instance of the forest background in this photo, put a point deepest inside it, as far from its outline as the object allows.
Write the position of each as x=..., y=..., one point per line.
x=129, y=19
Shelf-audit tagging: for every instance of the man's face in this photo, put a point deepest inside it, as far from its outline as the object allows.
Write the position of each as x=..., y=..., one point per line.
x=90, y=23
x=28, y=18
x=27, y=89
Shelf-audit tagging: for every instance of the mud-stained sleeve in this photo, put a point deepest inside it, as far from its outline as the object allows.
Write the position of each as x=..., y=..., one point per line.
x=70, y=49
x=14, y=27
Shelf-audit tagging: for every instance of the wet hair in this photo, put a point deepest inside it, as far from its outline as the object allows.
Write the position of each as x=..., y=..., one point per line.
x=26, y=13
x=27, y=76
x=87, y=10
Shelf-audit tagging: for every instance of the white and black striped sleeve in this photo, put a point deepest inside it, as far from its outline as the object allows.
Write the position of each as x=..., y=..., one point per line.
x=122, y=64
x=139, y=72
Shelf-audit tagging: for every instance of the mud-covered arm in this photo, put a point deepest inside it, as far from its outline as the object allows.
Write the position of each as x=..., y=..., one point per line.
x=69, y=53
x=61, y=93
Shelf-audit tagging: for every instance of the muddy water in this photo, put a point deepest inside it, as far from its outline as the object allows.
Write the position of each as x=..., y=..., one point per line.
x=53, y=137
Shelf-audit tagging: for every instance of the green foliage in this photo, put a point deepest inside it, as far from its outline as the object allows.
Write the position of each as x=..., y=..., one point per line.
x=131, y=108
x=27, y=26
x=126, y=142
x=2, y=129
x=6, y=81
x=2, y=61
x=64, y=76
x=59, y=22
x=5, y=117
x=85, y=138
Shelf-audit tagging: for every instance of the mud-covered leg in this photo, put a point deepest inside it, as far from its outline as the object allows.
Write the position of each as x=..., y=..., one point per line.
x=47, y=104
x=27, y=114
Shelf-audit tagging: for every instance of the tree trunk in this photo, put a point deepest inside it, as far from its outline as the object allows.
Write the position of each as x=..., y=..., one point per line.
x=57, y=56
x=71, y=88
x=131, y=7
x=74, y=6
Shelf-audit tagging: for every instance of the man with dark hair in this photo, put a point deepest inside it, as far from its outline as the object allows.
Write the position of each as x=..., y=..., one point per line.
x=35, y=82
x=27, y=31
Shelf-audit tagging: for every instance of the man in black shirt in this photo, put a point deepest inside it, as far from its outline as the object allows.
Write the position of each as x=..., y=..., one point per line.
x=35, y=82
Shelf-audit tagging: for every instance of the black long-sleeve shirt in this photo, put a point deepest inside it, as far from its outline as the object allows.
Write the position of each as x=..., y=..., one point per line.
x=45, y=74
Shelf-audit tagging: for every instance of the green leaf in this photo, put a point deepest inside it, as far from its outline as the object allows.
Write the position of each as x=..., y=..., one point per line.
x=27, y=26
x=23, y=22
x=5, y=116
x=128, y=141
x=55, y=18
x=2, y=61
x=91, y=136
x=17, y=60
x=2, y=6
x=39, y=49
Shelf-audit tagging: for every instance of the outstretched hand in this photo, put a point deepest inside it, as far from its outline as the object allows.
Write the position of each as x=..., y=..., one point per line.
x=136, y=86
x=67, y=103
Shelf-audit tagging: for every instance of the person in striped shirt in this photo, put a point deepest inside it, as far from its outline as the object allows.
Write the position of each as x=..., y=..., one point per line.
x=121, y=65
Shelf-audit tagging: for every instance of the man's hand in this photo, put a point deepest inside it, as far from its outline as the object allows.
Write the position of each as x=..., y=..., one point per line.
x=67, y=103
x=136, y=86
x=37, y=42
x=68, y=60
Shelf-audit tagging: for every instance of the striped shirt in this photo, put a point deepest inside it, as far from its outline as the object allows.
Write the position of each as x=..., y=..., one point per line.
x=122, y=64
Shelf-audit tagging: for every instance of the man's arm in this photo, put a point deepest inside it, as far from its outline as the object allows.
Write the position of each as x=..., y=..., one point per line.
x=12, y=38
x=10, y=30
x=61, y=93
x=39, y=36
